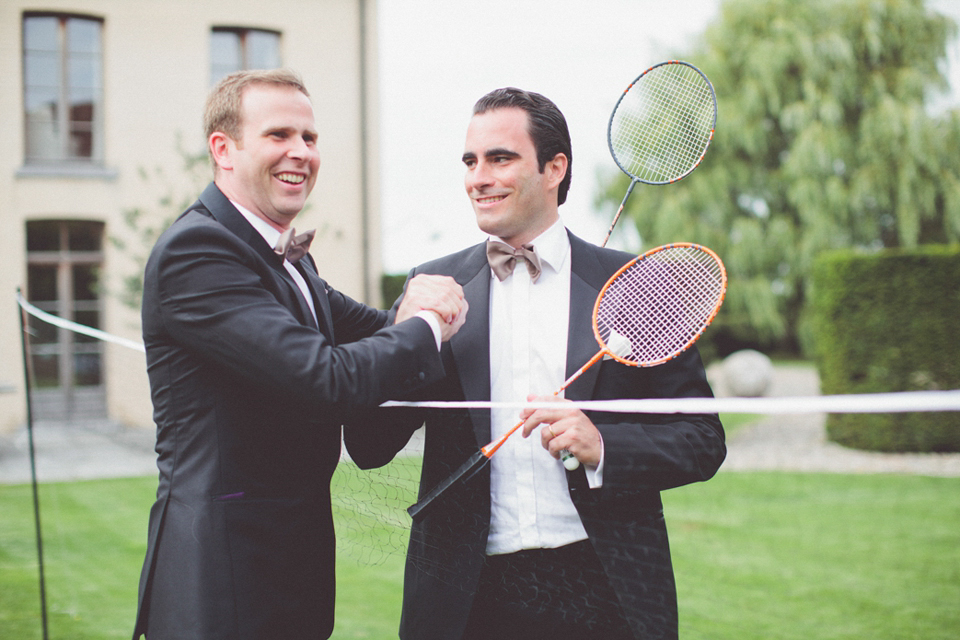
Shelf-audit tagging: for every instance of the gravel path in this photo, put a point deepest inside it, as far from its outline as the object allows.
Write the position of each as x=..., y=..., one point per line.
x=77, y=452
x=798, y=442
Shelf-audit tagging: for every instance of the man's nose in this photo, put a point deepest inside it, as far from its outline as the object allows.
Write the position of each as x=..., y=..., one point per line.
x=479, y=177
x=299, y=148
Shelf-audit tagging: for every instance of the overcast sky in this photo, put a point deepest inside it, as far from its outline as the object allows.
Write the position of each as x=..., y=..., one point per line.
x=437, y=57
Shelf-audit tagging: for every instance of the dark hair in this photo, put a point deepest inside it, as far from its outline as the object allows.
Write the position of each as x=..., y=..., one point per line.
x=547, y=126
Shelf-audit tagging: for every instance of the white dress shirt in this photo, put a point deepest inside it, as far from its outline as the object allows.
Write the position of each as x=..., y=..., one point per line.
x=530, y=502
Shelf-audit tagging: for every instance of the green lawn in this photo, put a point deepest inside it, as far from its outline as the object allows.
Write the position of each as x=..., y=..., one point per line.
x=94, y=541
x=803, y=556
x=757, y=556
x=732, y=422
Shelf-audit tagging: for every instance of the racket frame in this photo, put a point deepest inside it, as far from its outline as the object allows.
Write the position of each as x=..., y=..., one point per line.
x=626, y=92
x=635, y=179
x=646, y=255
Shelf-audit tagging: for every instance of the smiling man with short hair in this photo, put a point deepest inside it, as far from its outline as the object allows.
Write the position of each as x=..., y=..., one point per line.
x=525, y=549
x=254, y=363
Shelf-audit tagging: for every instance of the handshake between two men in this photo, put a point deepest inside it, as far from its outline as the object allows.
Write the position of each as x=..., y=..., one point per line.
x=438, y=294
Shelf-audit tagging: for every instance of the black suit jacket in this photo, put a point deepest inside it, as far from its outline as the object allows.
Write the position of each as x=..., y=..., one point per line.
x=644, y=454
x=249, y=394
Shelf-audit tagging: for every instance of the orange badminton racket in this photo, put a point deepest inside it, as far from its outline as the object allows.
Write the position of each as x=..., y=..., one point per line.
x=651, y=310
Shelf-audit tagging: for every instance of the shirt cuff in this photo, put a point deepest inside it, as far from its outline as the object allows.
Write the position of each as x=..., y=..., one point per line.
x=595, y=474
x=431, y=319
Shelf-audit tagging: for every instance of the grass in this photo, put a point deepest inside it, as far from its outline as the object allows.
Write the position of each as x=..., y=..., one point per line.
x=791, y=556
x=94, y=542
x=756, y=555
x=733, y=422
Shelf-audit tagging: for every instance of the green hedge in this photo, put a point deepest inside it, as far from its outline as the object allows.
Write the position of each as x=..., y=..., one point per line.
x=888, y=321
x=391, y=286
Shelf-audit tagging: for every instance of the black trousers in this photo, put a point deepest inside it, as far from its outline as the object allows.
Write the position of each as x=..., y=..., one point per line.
x=549, y=594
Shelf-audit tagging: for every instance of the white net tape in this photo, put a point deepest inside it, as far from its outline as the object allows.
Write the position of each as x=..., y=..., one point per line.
x=79, y=328
x=897, y=402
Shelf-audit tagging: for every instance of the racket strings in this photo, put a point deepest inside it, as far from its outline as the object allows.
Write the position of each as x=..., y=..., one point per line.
x=661, y=303
x=673, y=90
x=663, y=124
x=660, y=145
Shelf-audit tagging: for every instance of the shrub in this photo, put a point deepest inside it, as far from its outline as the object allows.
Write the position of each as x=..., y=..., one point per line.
x=887, y=321
x=391, y=286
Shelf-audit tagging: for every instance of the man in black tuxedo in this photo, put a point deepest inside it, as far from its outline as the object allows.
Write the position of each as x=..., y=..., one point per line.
x=254, y=362
x=525, y=549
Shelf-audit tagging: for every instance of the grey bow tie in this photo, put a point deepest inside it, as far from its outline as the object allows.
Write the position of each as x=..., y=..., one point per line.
x=503, y=258
x=293, y=246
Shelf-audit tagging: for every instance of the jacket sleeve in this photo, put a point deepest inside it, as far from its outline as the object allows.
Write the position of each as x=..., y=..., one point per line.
x=373, y=436
x=210, y=293
x=652, y=451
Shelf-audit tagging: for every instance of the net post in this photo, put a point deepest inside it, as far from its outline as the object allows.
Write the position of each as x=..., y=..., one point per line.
x=24, y=344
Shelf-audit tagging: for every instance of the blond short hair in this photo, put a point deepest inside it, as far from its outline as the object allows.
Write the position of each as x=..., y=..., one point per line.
x=224, y=109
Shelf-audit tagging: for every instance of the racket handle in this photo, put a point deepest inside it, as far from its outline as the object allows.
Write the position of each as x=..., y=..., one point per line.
x=570, y=462
x=466, y=471
x=623, y=202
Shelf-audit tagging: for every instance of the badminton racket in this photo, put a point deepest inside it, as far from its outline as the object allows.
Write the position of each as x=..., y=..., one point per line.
x=650, y=311
x=661, y=126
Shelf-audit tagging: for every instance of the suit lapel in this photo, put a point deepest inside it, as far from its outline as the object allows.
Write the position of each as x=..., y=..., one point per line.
x=226, y=214
x=318, y=287
x=587, y=278
x=471, y=345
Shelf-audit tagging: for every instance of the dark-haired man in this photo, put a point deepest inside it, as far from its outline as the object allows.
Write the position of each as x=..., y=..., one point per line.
x=526, y=549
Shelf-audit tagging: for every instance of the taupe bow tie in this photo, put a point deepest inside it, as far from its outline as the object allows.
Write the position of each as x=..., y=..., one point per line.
x=293, y=246
x=503, y=258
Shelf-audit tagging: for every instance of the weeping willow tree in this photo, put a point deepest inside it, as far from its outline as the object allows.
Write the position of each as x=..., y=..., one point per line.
x=825, y=139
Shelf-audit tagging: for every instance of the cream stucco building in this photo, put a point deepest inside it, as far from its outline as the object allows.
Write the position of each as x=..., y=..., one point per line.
x=100, y=110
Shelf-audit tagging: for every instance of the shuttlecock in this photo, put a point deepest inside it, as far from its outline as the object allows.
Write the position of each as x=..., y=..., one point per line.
x=619, y=345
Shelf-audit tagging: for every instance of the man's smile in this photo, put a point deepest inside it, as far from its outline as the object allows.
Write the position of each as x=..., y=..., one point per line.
x=291, y=178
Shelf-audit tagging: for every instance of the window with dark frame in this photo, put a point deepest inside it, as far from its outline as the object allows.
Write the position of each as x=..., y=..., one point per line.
x=63, y=88
x=64, y=259
x=236, y=48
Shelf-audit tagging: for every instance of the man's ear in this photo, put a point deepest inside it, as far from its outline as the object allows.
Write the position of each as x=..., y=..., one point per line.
x=556, y=170
x=221, y=147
